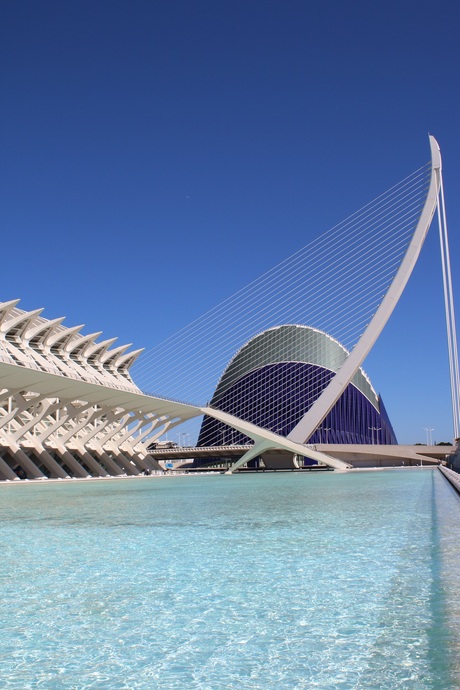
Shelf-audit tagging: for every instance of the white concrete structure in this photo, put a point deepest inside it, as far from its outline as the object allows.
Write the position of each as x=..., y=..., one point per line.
x=68, y=406
x=315, y=415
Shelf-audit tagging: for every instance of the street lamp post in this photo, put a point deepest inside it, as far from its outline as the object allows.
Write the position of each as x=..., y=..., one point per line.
x=429, y=438
x=376, y=429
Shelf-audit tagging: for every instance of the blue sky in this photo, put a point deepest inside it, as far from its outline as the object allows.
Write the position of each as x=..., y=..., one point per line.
x=156, y=156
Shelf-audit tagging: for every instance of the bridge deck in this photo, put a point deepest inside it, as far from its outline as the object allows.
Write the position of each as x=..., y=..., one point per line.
x=349, y=452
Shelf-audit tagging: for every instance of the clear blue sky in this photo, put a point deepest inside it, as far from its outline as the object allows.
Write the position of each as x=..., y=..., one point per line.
x=156, y=155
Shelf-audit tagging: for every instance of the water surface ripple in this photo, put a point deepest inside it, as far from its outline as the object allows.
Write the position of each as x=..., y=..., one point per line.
x=282, y=581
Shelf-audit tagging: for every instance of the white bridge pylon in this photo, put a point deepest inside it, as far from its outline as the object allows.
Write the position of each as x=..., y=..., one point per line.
x=265, y=440
x=63, y=395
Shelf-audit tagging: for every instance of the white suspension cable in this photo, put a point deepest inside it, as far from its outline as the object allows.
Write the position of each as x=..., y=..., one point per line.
x=334, y=284
x=289, y=267
x=289, y=263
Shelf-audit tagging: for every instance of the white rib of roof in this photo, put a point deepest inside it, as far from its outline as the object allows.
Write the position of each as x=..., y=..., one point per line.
x=28, y=338
x=52, y=373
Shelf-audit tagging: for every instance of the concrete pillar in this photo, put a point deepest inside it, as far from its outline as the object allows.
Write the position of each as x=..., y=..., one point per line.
x=122, y=460
x=152, y=464
x=71, y=462
x=91, y=462
x=26, y=463
x=136, y=460
x=49, y=462
x=7, y=472
x=109, y=462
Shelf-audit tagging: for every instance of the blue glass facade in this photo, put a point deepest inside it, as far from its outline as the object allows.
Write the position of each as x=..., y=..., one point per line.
x=274, y=379
x=276, y=396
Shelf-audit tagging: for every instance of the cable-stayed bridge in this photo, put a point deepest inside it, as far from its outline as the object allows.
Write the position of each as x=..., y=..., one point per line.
x=70, y=407
x=345, y=284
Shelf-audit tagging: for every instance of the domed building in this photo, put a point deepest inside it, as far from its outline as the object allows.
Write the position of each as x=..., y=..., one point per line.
x=275, y=378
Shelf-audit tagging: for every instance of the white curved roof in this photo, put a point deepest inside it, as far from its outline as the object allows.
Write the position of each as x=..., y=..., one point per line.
x=29, y=339
x=292, y=343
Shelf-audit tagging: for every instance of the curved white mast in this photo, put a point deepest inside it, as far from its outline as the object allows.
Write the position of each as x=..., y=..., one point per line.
x=264, y=439
x=318, y=411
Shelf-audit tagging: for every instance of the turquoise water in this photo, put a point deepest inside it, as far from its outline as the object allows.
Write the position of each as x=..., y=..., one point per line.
x=279, y=581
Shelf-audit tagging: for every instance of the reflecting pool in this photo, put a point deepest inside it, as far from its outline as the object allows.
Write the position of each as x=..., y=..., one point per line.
x=282, y=581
